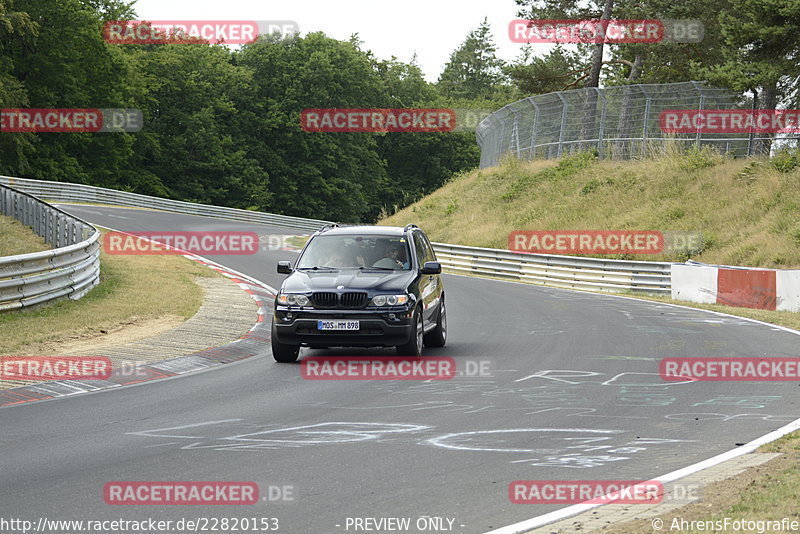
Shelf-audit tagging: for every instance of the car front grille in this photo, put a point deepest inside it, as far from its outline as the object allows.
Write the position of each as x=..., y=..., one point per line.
x=354, y=300
x=345, y=300
x=324, y=300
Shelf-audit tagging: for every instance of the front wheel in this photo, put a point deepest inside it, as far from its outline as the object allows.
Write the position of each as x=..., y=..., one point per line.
x=414, y=345
x=281, y=351
x=438, y=336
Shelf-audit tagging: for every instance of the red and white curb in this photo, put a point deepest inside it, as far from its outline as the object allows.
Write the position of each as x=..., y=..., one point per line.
x=250, y=344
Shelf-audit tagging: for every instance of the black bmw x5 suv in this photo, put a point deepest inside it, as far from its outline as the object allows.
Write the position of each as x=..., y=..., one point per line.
x=361, y=286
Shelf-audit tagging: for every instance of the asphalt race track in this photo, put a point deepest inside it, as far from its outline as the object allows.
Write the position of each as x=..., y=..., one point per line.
x=573, y=392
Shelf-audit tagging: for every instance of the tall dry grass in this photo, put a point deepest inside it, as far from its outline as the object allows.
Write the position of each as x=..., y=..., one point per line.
x=747, y=210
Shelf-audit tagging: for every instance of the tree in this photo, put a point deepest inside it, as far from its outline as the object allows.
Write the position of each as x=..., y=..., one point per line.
x=669, y=61
x=16, y=29
x=474, y=70
x=569, y=9
x=763, y=47
x=554, y=71
x=337, y=176
x=62, y=62
x=763, y=52
x=193, y=149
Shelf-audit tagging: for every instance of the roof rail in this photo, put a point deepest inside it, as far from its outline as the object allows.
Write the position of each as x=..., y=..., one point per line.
x=328, y=227
x=410, y=226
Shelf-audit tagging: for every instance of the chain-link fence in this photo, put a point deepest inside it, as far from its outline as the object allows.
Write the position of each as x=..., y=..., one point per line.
x=621, y=122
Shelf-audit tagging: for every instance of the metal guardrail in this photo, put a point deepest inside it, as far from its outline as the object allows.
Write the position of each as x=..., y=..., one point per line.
x=551, y=270
x=570, y=272
x=69, y=270
x=66, y=192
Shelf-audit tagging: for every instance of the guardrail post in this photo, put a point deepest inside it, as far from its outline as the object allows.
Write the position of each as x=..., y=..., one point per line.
x=751, y=136
x=15, y=212
x=59, y=231
x=535, y=126
x=499, y=142
x=564, y=108
x=601, y=131
x=51, y=228
x=646, y=120
x=700, y=107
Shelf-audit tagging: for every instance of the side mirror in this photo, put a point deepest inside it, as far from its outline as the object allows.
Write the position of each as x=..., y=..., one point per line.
x=284, y=267
x=432, y=267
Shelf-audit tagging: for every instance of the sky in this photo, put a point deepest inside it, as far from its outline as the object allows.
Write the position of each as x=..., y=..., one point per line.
x=431, y=28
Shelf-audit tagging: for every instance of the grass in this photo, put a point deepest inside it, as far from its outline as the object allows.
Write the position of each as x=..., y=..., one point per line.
x=16, y=238
x=769, y=492
x=131, y=289
x=747, y=210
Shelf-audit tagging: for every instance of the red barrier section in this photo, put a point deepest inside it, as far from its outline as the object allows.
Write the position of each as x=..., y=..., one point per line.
x=746, y=288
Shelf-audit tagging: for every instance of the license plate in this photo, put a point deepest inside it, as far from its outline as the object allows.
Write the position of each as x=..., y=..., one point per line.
x=337, y=325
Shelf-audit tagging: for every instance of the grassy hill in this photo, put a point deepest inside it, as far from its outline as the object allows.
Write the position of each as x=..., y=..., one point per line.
x=16, y=238
x=748, y=210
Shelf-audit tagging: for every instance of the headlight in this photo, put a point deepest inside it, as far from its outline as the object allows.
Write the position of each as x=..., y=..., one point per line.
x=389, y=300
x=290, y=299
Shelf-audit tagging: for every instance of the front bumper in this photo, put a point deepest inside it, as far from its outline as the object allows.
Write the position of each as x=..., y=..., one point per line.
x=377, y=328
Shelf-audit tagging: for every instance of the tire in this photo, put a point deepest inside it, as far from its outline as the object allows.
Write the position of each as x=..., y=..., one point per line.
x=438, y=336
x=281, y=351
x=414, y=345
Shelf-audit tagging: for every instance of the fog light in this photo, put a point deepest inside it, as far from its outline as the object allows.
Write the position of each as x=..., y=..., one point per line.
x=289, y=316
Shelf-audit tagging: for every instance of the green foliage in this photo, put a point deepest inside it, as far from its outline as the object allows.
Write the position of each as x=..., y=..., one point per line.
x=749, y=172
x=221, y=126
x=785, y=160
x=762, y=39
x=473, y=70
x=568, y=166
x=695, y=158
x=594, y=184
x=553, y=71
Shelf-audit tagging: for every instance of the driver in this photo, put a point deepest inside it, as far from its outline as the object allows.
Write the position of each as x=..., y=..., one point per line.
x=336, y=259
x=390, y=258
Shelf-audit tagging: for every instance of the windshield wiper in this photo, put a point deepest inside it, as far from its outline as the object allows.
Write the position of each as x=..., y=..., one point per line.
x=315, y=268
x=377, y=268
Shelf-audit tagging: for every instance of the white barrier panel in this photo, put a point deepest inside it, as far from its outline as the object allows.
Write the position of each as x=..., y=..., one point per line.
x=694, y=283
x=787, y=288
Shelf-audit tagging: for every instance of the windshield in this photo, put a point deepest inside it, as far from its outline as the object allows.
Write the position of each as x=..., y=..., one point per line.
x=356, y=252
